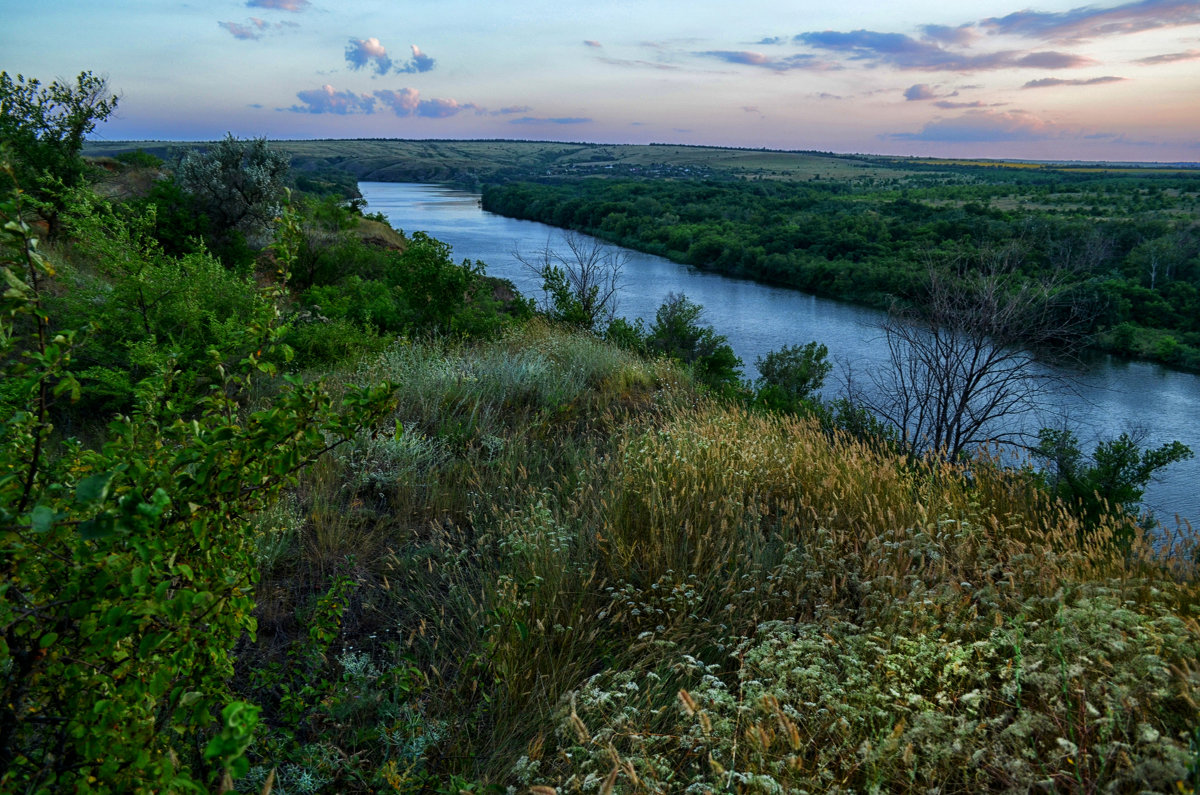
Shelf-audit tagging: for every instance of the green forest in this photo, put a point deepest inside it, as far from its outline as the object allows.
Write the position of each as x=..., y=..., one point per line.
x=1125, y=243
x=291, y=502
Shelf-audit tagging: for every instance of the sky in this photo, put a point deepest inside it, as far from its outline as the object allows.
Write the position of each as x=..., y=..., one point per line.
x=975, y=78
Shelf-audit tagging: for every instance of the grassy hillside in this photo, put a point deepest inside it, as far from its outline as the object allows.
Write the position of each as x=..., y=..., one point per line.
x=478, y=162
x=570, y=568
x=474, y=163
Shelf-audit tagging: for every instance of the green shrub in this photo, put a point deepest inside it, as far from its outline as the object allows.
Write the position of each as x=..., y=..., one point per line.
x=147, y=310
x=789, y=376
x=677, y=334
x=139, y=158
x=128, y=568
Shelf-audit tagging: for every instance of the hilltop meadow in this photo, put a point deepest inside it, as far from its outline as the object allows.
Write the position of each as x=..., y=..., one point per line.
x=294, y=503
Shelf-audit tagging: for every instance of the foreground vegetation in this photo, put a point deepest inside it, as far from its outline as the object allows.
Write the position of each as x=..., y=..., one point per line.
x=343, y=515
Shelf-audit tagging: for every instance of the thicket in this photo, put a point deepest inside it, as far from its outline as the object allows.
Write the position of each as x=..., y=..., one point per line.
x=128, y=574
x=1129, y=245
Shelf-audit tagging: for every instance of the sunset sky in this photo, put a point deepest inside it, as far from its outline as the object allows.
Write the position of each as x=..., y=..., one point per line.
x=976, y=78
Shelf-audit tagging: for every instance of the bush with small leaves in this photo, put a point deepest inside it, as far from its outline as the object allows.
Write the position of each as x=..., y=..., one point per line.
x=129, y=569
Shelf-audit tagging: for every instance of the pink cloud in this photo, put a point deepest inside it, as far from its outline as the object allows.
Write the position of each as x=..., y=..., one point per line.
x=420, y=62
x=1170, y=57
x=245, y=32
x=404, y=102
x=326, y=99
x=362, y=52
x=985, y=126
x=1050, y=82
x=408, y=102
x=280, y=5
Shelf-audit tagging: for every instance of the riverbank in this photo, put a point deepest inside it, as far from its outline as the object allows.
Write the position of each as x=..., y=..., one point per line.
x=1134, y=270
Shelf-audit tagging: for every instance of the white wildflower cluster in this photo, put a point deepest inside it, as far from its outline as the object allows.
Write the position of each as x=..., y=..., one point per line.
x=357, y=667
x=671, y=599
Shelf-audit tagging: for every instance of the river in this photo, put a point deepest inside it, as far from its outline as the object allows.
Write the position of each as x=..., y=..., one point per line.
x=1110, y=396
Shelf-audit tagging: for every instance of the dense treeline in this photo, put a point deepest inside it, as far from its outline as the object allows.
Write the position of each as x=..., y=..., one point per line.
x=1130, y=247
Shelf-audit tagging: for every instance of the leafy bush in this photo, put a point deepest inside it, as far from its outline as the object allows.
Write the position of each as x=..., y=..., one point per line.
x=139, y=158
x=129, y=573
x=790, y=375
x=147, y=310
x=1115, y=478
x=419, y=289
x=238, y=184
x=677, y=334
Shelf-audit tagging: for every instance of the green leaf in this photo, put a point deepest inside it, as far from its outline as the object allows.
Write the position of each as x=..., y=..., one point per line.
x=150, y=642
x=93, y=489
x=42, y=519
x=47, y=640
x=93, y=529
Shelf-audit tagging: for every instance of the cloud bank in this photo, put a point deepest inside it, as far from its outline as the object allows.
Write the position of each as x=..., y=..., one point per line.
x=1050, y=82
x=1088, y=22
x=328, y=100
x=1170, y=57
x=403, y=102
x=748, y=58
x=557, y=120
x=906, y=52
x=408, y=102
x=984, y=126
x=950, y=105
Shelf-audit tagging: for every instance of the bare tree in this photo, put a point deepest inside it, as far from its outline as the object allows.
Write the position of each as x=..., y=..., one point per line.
x=963, y=366
x=581, y=279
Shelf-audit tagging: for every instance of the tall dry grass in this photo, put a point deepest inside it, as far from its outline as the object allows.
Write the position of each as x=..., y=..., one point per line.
x=706, y=552
x=607, y=582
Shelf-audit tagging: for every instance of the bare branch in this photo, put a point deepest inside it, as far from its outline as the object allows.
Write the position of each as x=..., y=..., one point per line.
x=964, y=367
x=581, y=279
